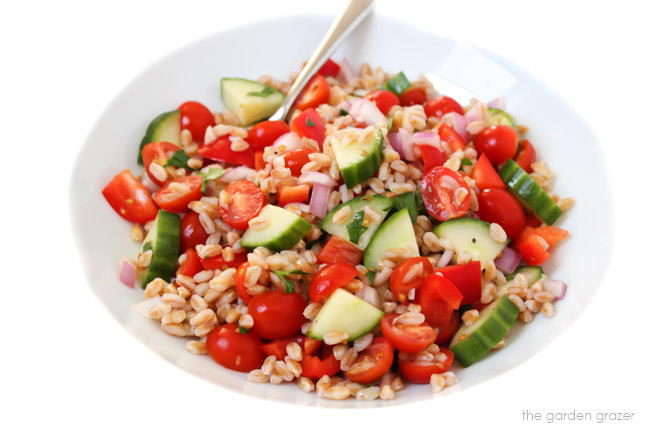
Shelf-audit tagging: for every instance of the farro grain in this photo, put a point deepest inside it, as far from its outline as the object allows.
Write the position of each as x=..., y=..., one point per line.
x=341, y=215
x=363, y=342
x=174, y=300
x=137, y=234
x=257, y=376
x=306, y=384
x=207, y=223
x=497, y=233
x=197, y=347
x=335, y=337
x=203, y=276
x=368, y=394
x=294, y=351
x=386, y=393
x=470, y=316
x=518, y=302
x=144, y=259
x=269, y=364
x=336, y=392
x=246, y=321
x=548, y=309
x=437, y=382
x=177, y=329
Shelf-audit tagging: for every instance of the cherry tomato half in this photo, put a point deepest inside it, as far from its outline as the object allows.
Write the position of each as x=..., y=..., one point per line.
x=265, y=133
x=485, y=175
x=466, y=278
x=316, y=92
x=418, y=368
x=315, y=367
x=192, y=264
x=158, y=153
x=408, y=338
x=526, y=155
x=196, y=118
x=438, y=298
x=498, y=206
x=330, y=278
x=449, y=135
x=169, y=199
x=431, y=156
x=277, y=314
x=295, y=159
x=192, y=232
x=372, y=362
x=384, y=99
x=309, y=124
x=247, y=200
x=278, y=348
x=498, y=142
x=404, y=277
x=220, y=150
x=234, y=350
x=339, y=250
x=442, y=105
x=414, y=95
x=129, y=198
x=439, y=194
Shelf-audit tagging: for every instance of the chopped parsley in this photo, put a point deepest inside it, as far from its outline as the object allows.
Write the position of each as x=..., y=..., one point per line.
x=178, y=159
x=212, y=174
x=289, y=285
x=356, y=227
x=411, y=201
x=147, y=247
x=310, y=122
x=466, y=161
x=343, y=112
x=371, y=276
x=266, y=91
x=243, y=330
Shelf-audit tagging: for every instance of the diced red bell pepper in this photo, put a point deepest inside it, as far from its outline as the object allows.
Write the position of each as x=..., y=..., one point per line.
x=466, y=278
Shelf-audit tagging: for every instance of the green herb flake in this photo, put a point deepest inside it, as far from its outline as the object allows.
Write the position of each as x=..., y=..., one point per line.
x=371, y=276
x=390, y=123
x=147, y=247
x=397, y=84
x=343, y=112
x=266, y=91
x=289, y=285
x=243, y=330
x=466, y=161
x=310, y=122
x=178, y=159
x=406, y=201
x=212, y=174
x=356, y=227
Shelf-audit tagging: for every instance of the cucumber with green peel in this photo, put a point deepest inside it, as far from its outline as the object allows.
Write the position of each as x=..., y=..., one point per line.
x=165, y=127
x=250, y=101
x=282, y=231
x=472, y=342
x=347, y=313
x=378, y=203
x=532, y=274
x=496, y=116
x=397, y=84
x=396, y=233
x=529, y=192
x=472, y=236
x=163, y=240
x=359, y=162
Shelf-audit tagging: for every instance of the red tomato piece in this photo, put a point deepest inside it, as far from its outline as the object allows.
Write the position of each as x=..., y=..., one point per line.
x=408, y=338
x=439, y=188
x=403, y=278
x=414, y=95
x=384, y=100
x=277, y=314
x=330, y=68
x=295, y=159
x=192, y=264
x=247, y=200
x=466, y=278
x=172, y=201
x=438, y=298
x=498, y=142
x=129, y=198
x=339, y=250
x=526, y=155
x=485, y=175
x=196, y=118
x=278, y=348
x=551, y=234
x=418, y=367
x=498, y=206
x=449, y=135
x=447, y=332
x=431, y=156
x=309, y=124
x=265, y=133
x=234, y=350
x=259, y=160
x=330, y=278
x=372, y=362
x=316, y=92
x=158, y=153
x=442, y=105
x=192, y=232
x=219, y=150
x=240, y=282
x=293, y=194
x=315, y=367
x=218, y=262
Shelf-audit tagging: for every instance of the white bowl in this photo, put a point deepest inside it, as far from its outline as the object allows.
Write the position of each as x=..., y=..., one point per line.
x=271, y=47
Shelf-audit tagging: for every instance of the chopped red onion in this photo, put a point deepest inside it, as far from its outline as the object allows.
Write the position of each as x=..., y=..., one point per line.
x=508, y=261
x=458, y=122
x=235, y=174
x=347, y=72
x=320, y=196
x=287, y=142
x=314, y=177
x=145, y=306
x=365, y=111
x=427, y=138
x=408, y=148
x=302, y=206
x=475, y=113
x=370, y=295
x=498, y=103
x=396, y=143
x=127, y=273
x=556, y=287
x=148, y=183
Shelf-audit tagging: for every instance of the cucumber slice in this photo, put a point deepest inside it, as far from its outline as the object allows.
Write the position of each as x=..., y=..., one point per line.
x=397, y=84
x=473, y=236
x=164, y=240
x=251, y=101
x=378, y=203
x=165, y=127
x=532, y=273
x=283, y=231
x=496, y=116
x=396, y=232
x=345, y=312
x=359, y=162
x=474, y=341
x=529, y=193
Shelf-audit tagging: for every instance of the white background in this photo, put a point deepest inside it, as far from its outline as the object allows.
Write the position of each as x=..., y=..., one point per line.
x=66, y=365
